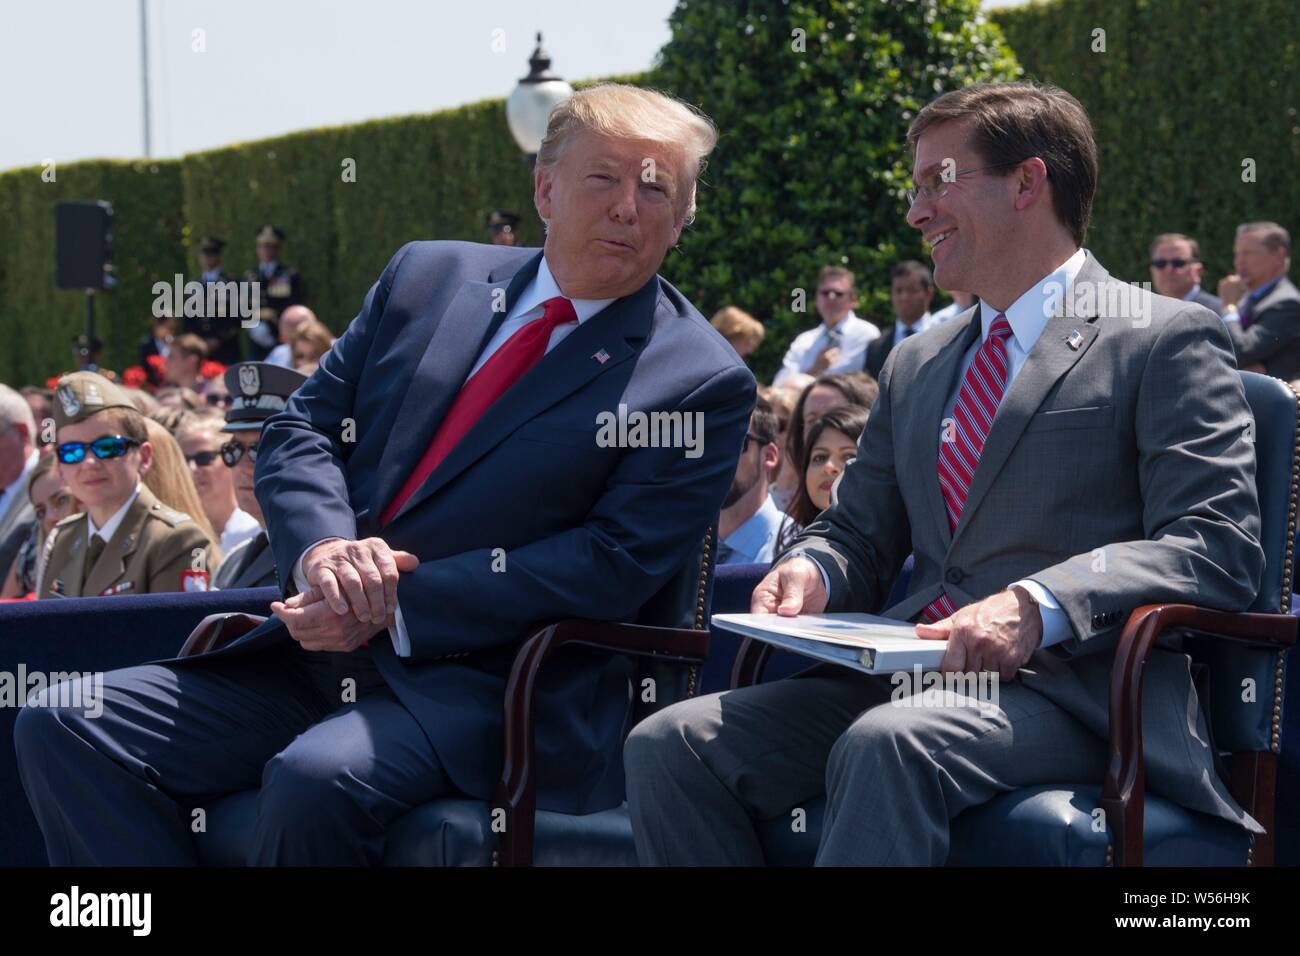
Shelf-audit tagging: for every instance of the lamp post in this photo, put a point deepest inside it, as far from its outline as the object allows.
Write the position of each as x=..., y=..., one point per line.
x=530, y=103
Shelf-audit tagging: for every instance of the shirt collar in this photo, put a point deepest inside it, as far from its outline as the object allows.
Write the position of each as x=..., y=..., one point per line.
x=111, y=525
x=920, y=325
x=1264, y=289
x=1028, y=315
x=845, y=322
x=545, y=287
x=1192, y=293
x=753, y=533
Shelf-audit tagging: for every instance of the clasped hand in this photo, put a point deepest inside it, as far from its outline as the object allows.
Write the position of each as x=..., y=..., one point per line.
x=353, y=594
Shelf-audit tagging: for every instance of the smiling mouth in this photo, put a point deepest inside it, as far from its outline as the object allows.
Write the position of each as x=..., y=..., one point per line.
x=940, y=237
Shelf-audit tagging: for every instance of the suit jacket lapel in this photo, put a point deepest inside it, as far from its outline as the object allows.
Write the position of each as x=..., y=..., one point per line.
x=936, y=380
x=466, y=326
x=562, y=371
x=111, y=566
x=1049, y=359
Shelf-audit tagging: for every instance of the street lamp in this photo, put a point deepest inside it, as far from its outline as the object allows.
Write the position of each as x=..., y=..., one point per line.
x=530, y=103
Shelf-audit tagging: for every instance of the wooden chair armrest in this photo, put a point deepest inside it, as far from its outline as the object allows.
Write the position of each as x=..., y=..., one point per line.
x=751, y=660
x=217, y=630
x=1124, y=789
x=517, y=790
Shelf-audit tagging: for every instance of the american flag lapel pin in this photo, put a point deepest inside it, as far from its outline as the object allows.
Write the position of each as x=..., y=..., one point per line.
x=602, y=356
x=1075, y=340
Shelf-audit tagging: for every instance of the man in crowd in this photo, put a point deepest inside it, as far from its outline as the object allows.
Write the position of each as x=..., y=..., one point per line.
x=1261, y=304
x=292, y=317
x=911, y=290
x=1176, y=270
x=503, y=228
x=750, y=520
x=125, y=541
x=839, y=343
x=434, y=494
x=18, y=456
x=280, y=287
x=258, y=390
x=1019, y=453
x=157, y=343
x=220, y=330
x=184, y=361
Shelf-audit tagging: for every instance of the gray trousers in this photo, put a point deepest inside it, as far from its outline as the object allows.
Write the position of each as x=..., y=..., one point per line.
x=702, y=772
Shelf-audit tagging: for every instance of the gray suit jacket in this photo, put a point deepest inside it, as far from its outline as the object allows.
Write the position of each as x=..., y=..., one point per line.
x=250, y=564
x=1116, y=474
x=1273, y=335
x=15, y=523
x=1210, y=301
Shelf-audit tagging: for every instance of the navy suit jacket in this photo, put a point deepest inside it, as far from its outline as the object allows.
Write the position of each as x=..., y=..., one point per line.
x=585, y=531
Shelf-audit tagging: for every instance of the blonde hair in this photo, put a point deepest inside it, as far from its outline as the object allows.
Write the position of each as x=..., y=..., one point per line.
x=629, y=112
x=169, y=479
x=735, y=323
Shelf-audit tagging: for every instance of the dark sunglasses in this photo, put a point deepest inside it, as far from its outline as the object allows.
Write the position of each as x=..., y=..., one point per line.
x=751, y=437
x=1161, y=263
x=232, y=451
x=203, y=458
x=104, y=447
x=223, y=401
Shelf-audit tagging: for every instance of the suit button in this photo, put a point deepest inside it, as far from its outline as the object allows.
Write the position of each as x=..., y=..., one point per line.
x=953, y=575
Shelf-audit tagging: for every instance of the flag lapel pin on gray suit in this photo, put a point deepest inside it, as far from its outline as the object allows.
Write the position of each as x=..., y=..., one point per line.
x=1075, y=340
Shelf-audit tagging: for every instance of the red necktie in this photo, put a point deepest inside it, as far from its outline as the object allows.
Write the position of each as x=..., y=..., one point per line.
x=507, y=365
x=977, y=403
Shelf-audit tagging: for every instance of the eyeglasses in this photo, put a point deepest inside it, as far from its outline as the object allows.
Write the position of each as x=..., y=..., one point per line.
x=203, y=458
x=832, y=293
x=751, y=437
x=232, y=451
x=223, y=401
x=936, y=186
x=104, y=448
x=1161, y=263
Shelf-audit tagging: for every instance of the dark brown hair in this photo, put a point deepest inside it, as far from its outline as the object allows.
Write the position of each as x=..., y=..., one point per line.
x=1177, y=237
x=858, y=387
x=1012, y=122
x=849, y=419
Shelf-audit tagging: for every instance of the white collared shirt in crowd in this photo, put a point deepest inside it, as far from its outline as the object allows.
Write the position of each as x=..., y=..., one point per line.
x=851, y=336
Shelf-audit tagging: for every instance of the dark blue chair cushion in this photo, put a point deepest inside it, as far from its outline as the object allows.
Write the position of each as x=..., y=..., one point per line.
x=451, y=832
x=1042, y=826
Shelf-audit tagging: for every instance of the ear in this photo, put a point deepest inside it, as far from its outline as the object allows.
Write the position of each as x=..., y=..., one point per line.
x=146, y=457
x=543, y=182
x=1030, y=178
x=771, y=457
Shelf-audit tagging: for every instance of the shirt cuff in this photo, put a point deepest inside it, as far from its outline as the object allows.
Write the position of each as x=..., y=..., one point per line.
x=1056, y=625
x=401, y=642
x=826, y=581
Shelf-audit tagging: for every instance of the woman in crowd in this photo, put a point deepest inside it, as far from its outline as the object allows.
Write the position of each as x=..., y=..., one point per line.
x=168, y=477
x=824, y=394
x=200, y=438
x=310, y=341
x=52, y=502
x=831, y=444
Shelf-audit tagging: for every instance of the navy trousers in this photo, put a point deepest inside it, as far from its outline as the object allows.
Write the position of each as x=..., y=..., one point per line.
x=335, y=754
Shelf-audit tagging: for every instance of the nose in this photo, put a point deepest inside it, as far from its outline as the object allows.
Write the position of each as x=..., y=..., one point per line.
x=624, y=208
x=919, y=213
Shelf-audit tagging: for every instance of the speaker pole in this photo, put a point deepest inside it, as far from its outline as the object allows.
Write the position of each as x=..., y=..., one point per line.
x=90, y=315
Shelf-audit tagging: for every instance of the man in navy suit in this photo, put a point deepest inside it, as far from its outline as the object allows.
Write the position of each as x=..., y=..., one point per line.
x=440, y=486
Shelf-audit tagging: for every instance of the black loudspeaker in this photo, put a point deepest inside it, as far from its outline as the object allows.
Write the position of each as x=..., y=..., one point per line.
x=83, y=242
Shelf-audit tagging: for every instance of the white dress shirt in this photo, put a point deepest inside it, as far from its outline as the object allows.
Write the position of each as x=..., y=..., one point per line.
x=527, y=307
x=1027, y=316
x=240, y=526
x=851, y=336
x=19, y=484
x=927, y=321
x=111, y=525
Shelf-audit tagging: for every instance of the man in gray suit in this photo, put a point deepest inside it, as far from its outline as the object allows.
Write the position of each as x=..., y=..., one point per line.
x=1065, y=451
x=1263, y=305
x=18, y=456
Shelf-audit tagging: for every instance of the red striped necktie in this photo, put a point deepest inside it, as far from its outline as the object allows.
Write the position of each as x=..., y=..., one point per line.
x=506, y=366
x=959, y=452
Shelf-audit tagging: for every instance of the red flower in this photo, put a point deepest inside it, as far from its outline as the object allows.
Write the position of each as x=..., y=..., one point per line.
x=135, y=377
x=211, y=369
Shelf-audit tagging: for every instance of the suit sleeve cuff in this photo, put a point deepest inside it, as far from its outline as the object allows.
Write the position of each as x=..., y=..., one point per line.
x=1056, y=624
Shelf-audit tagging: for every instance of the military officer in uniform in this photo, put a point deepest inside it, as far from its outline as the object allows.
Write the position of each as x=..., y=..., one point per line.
x=281, y=287
x=504, y=227
x=258, y=390
x=219, y=331
x=125, y=541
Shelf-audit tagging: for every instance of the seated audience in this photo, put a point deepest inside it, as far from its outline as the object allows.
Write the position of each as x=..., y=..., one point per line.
x=750, y=519
x=825, y=393
x=52, y=502
x=41, y=401
x=126, y=541
x=154, y=347
x=18, y=456
x=257, y=397
x=180, y=399
x=1261, y=304
x=911, y=290
x=839, y=343
x=200, y=439
x=184, y=363
x=741, y=330
x=311, y=341
x=831, y=444
x=1176, y=270
x=291, y=319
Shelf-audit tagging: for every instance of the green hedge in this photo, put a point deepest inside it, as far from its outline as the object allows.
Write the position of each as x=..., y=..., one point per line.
x=1184, y=92
x=812, y=164
x=37, y=321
